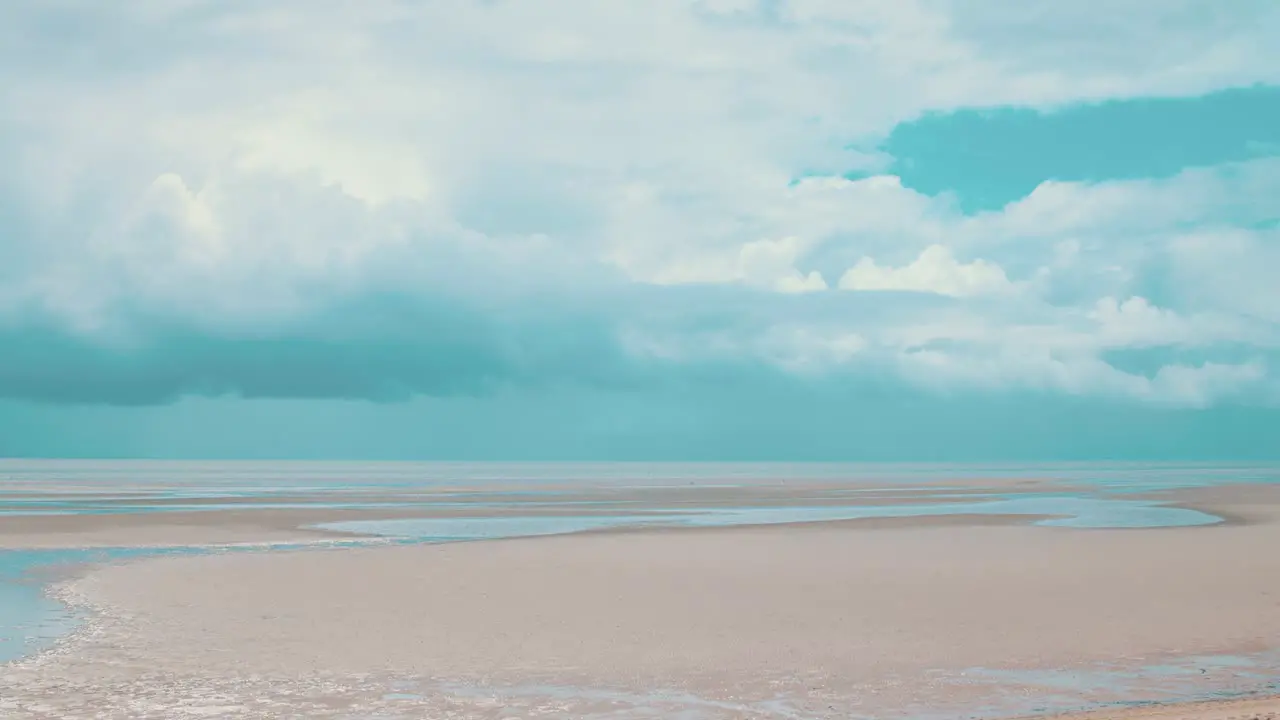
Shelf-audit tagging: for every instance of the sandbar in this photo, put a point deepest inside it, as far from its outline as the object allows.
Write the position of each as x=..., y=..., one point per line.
x=818, y=620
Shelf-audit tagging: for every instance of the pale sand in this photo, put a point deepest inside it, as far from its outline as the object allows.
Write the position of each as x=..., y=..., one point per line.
x=822, y=620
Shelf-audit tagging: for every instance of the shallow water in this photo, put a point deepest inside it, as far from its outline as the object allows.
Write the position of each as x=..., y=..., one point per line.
x=1074, y=512
x=29, y=620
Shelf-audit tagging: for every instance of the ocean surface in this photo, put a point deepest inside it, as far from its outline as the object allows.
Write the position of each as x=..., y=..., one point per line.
x=496, y=500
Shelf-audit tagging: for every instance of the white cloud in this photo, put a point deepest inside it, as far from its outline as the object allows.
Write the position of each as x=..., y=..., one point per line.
x=1137, y=323
x=243, y=164
x=761, y=264
x=771, y=263
x=1229, y=268
x=935, y=271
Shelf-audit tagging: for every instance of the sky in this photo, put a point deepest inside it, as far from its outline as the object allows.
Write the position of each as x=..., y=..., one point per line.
x=928, y=230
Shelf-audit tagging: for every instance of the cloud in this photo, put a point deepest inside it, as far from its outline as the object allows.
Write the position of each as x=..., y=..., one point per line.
x=935, y=271
x=760, y=264
x=772, y=263
x=1136, y=323
x=399, y=199
x=374, y=348
x=254, y=273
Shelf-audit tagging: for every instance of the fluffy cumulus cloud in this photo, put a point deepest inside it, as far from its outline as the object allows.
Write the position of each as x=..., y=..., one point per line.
x=387, y=199
x=935, y=271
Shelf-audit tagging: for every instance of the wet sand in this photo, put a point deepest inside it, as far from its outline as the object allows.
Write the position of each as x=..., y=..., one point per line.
x=290, y=518
x=964, y=615
x=1267, y=708
x=1255, y=503
x=886, y=619
x=168, y=529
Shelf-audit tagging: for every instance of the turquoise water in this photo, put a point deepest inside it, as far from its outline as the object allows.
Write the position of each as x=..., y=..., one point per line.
x=253, y=478
x=29, y=620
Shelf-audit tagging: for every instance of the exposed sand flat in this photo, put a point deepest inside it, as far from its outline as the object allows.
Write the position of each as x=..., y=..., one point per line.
x=288, y=518
x=822, y=620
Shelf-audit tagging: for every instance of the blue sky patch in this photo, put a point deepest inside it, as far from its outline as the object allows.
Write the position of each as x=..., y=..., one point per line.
x=991, y=157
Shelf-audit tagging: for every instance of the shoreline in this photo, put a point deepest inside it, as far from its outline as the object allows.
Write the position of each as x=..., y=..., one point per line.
x=88, y=591
x=922, y=616
x=1256, y=704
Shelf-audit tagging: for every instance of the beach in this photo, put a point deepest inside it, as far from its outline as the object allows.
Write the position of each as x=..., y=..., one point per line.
x=960, y=615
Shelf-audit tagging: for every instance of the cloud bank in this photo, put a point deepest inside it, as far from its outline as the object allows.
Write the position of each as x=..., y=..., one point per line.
x=390, y=200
